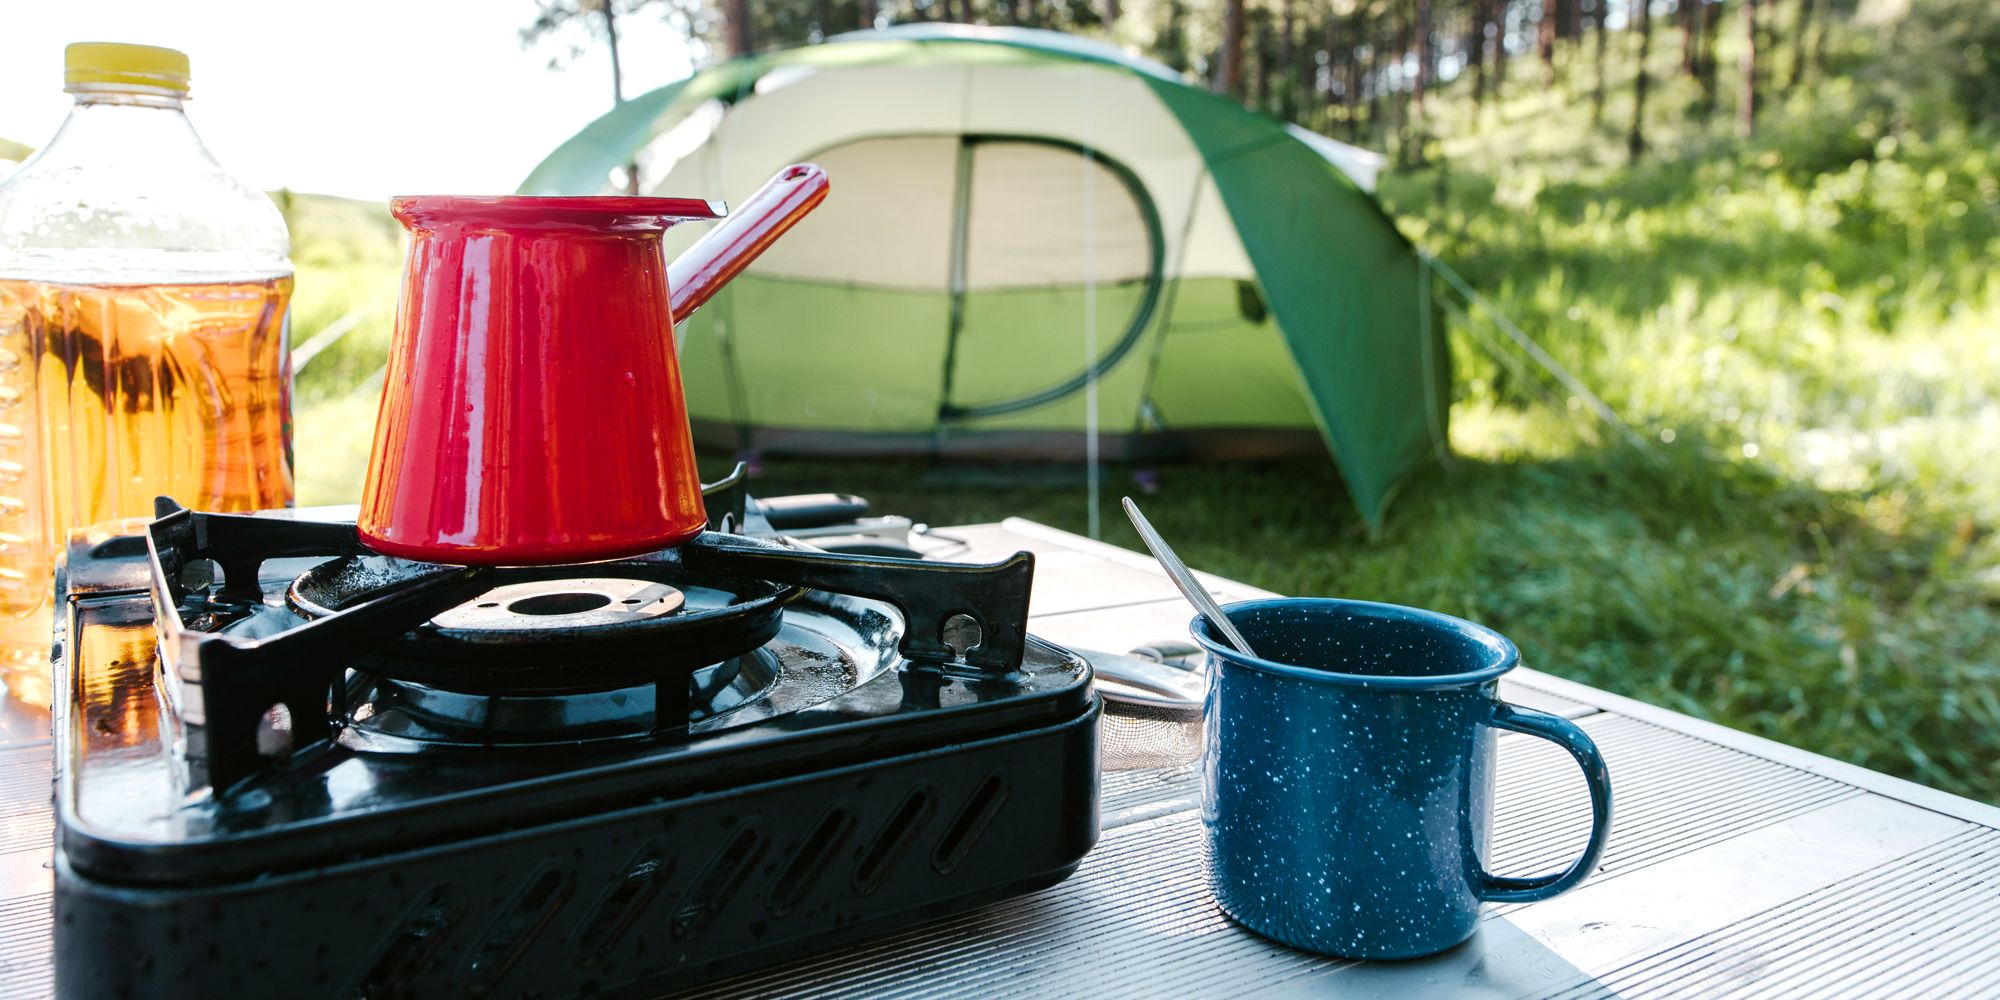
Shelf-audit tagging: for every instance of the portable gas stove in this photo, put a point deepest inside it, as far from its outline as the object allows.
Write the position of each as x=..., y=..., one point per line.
x=292, y=765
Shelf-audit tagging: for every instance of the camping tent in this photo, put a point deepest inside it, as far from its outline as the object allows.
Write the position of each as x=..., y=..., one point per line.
x=1035, y=242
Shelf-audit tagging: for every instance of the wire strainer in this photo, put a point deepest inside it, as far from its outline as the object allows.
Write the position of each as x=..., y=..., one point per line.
x=1152, y=705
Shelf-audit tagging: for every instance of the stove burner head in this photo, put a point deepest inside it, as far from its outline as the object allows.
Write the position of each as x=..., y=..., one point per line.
x=534, y=606
x=389, y=715
x=556, y=629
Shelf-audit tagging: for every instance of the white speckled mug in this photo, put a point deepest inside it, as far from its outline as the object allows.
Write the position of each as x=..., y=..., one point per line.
x=1349, y=768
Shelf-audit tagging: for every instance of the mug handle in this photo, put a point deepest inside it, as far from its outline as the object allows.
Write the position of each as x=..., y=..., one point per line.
x=1571, y=737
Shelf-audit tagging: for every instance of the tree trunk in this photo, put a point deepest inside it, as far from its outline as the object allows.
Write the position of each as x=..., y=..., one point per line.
x=1170, y=44
x=1799, y=45
x=1597, y=90
x=1687, y=17
x=1330, y=43
x=867, y=17
x=1545, y=40
x=1288, y=66
x=1399, y=102
x=1371, y=76
x=1746, y=102
x=1498, y=9
x=1475, y=50
x=736, y=29
x=617, y=68
x=1424, y=60
x=618, y=88
x=1112, y=12
x=1229, y=63
x=1709, y=24
x=1356, y=75
x=1260, y=83
x=1642, y=22
x=1819, y=40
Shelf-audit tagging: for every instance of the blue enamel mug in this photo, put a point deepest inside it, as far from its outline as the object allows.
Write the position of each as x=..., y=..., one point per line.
x=1348, y=797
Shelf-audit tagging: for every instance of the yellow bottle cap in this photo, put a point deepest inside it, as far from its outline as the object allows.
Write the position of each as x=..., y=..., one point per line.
x=112, y=65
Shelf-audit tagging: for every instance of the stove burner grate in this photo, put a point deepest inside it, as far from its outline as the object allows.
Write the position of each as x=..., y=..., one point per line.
x=529, y=641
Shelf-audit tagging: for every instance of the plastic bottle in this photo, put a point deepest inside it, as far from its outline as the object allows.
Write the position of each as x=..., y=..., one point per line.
x=144, y=301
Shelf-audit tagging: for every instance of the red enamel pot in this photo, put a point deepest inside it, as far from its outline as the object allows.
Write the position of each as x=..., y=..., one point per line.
x=533, y=411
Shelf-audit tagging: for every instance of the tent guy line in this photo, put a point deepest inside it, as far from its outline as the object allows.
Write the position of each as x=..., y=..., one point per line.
x=1534, y=350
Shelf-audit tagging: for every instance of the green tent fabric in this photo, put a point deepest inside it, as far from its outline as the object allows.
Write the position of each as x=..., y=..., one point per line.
x=1035, y=243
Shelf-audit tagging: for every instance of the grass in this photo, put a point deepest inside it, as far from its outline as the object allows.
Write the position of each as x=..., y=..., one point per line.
x=1808, y=317
x=349, y=258
x=1800, y=325
x=1693, y=580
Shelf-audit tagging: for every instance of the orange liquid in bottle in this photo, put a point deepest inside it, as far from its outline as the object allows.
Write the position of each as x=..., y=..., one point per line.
x=113, y=395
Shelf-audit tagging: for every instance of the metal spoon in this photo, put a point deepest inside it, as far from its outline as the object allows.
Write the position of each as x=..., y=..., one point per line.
x=1191, y=588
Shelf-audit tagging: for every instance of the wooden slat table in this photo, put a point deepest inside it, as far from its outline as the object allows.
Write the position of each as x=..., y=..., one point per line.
x=1735, y=866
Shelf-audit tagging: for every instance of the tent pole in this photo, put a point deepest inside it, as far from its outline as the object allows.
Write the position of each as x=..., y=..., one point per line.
x=961, y=221
x=1166, y=320
x=715, y=163
x=1095, y=472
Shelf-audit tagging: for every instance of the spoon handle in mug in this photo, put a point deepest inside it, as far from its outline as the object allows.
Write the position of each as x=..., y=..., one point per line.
x=1183, y=578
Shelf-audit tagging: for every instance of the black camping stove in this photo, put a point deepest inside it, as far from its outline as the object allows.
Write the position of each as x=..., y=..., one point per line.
x=291, y=766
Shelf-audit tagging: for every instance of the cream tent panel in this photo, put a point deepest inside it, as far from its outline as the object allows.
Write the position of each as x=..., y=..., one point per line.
x=891, y=226
x=776, y=125
x=1119, y=115
x=1040, y=215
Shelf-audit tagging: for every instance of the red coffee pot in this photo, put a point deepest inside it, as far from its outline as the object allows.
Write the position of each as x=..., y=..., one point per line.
x=533, y=411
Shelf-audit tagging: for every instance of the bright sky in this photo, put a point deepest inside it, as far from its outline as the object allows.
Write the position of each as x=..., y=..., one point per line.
x=364, y=98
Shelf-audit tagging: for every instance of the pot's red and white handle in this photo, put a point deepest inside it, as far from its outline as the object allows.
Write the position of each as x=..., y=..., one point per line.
x=727, y=249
